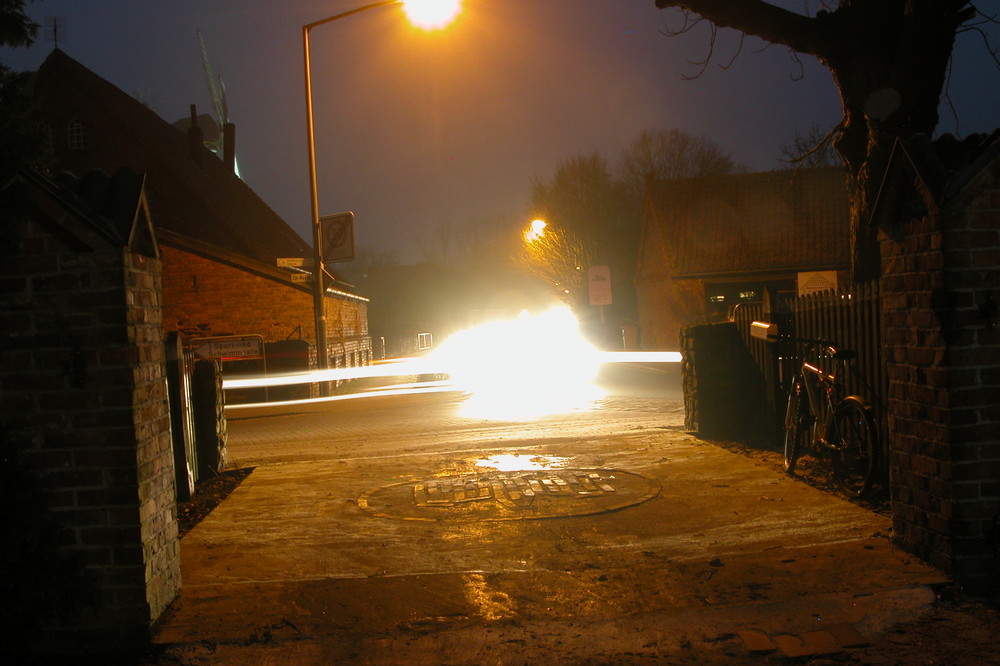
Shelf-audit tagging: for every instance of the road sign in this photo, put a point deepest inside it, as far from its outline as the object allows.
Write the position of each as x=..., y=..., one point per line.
x=291, y=262
x=812, y=282
x=229, y=347
x=301, y=277
x=599, y=282
x=338, y=237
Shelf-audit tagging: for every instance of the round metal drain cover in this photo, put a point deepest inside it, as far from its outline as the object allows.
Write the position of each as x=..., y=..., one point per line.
x=520, y=495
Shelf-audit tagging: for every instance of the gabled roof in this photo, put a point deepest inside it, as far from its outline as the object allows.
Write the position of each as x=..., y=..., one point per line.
x=98, y=206
x=191, y=193
x=924, y=175
x=773, y=222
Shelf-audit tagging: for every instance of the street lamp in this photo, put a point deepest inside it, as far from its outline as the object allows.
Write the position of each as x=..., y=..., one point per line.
x=427, y=14
x=535, y=231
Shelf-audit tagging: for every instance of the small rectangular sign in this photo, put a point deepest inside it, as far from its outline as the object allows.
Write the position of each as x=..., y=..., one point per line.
x=291, y=262
x=599, y=283
x=301, y=277
x=229, y=347
x=816, y=281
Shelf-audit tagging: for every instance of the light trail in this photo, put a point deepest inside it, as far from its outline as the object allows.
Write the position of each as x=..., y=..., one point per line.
x=640, y=357
x=517, y=369
x=400, y=367
x=399, y=389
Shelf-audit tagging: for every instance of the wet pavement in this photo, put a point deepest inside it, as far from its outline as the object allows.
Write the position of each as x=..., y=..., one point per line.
x=396, y=533
x=513, y=495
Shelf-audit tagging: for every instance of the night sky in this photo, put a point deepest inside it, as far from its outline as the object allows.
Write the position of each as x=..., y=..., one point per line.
x=417, y=129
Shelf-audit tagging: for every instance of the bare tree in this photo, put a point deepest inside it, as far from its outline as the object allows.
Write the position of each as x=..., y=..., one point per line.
x=670, y=154
x=438, y=248
x=478, y=246
x=594, y=213
x=558, y=256
x=583, y=207
x=20, y=141
x=811, y=149
x=889, y=60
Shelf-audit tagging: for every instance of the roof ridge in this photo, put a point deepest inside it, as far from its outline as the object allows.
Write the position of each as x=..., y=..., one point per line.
x=199, y=198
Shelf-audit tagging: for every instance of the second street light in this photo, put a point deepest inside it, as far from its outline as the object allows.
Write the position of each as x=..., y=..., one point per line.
x=426, y=14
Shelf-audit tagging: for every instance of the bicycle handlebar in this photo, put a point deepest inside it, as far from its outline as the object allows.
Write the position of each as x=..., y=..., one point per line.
x=810, y=341
x=836, y=352
x=769, y=332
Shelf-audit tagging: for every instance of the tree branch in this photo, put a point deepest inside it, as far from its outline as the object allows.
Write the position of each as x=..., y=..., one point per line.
x=756, y=17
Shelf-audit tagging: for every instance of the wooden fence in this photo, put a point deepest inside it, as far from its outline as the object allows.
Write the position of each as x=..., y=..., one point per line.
x=851, y=320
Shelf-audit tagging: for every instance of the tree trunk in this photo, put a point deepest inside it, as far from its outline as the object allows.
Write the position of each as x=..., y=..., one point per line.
x=890, y=72
x=888, y=59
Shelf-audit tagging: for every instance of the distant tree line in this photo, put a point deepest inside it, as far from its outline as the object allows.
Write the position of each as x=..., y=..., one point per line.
x=592, y=212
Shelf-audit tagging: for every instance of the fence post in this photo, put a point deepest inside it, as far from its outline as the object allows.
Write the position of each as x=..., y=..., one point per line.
x=209, y=417
x=181, y=417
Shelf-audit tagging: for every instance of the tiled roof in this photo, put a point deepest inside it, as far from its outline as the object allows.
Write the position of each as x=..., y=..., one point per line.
x=195, y=197
x=108, y=205
x=779, y=221
x=114, y=198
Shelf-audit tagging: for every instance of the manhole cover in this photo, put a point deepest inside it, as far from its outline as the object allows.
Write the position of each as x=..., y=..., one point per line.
x=519, y=495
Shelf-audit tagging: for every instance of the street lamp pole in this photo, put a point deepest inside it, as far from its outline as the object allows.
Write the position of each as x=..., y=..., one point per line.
x=319, y=282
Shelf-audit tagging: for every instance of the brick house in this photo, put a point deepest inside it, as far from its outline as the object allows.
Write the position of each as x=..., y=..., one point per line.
x=84, y=414
x=938, y=217
x=219, y=241
x=709, y=244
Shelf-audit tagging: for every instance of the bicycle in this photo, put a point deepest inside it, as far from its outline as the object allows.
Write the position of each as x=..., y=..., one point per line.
x=821, y=418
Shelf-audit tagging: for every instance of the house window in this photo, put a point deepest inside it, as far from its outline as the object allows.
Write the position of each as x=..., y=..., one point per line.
x=77, y=135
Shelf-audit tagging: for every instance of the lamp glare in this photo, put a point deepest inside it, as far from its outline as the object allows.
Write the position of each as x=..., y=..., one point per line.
x=432, y=14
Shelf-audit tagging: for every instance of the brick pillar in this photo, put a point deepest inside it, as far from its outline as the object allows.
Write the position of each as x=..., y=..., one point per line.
x=940, y=274
x=154, y=445
x=724, y=394
x=83, y=403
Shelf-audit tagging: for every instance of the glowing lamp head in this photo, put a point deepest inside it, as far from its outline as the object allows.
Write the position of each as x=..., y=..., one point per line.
x=432, y=14
x=536, y=230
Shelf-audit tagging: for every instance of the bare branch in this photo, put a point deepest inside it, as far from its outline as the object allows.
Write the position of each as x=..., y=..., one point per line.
x=802, y=67
x=690, y=21
x=993, y=51
x=739, y=49
x=946, y=96
x=811, y=150
x=703, y=64
x=755, y=17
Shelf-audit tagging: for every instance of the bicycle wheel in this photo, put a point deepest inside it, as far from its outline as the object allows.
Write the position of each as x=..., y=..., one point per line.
x=796, y=425
x=853, y=440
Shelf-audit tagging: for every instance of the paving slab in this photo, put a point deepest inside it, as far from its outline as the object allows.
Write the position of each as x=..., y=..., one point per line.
x=318, y=560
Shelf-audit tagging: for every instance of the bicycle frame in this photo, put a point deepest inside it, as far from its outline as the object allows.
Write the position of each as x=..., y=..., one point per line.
x=821, y=418
x=822, y=391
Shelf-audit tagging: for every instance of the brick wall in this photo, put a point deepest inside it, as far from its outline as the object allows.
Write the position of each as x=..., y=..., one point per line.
x=82, y=395
x=203, y=298
x=940, y=273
